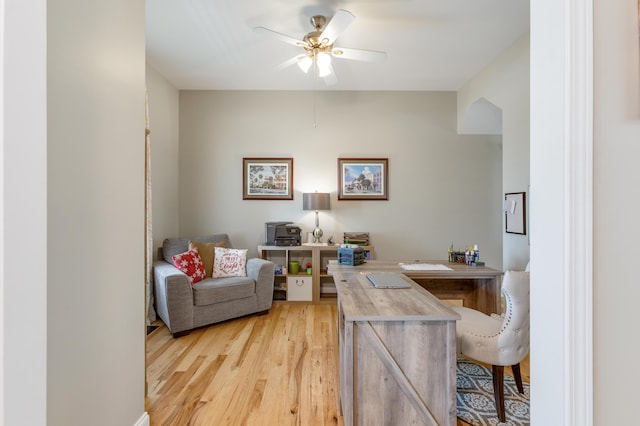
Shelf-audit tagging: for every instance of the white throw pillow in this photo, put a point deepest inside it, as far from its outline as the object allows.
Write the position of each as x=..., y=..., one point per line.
x=229, y=262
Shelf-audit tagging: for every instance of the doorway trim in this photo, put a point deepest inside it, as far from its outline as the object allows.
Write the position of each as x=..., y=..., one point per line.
x=562, y=211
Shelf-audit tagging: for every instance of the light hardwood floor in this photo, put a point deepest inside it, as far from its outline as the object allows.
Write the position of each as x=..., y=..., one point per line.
x=275, y=369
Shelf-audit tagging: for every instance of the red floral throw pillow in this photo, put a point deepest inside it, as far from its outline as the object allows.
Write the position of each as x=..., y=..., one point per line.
x=191, y=264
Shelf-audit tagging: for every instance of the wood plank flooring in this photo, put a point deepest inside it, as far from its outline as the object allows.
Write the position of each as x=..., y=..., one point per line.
x=276, y=369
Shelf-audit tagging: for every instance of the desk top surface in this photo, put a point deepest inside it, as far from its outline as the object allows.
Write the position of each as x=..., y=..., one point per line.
x=306, y=247
x=361, y=301
x=458, y=270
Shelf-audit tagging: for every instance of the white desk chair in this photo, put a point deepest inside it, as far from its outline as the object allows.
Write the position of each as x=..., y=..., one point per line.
x=499, y=341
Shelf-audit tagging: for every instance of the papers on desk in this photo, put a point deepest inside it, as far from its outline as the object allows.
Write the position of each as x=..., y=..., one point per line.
x=424, y=267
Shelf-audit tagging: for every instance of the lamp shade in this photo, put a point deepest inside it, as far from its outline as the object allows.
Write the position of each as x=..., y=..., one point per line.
x=316, y=201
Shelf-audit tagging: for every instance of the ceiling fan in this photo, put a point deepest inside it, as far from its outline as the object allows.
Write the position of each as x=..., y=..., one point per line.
x=319, y=46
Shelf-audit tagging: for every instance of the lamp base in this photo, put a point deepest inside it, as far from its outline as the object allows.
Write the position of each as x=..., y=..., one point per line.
x=317, y=235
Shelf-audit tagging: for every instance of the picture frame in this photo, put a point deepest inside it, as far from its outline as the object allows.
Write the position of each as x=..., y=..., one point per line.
x=515, y=213
x=363, y=179
x=267, y=178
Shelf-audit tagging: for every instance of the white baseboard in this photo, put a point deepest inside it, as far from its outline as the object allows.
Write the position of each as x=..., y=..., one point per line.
x=143, y=420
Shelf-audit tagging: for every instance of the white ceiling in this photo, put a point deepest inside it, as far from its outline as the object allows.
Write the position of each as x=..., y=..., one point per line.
x=430, y=44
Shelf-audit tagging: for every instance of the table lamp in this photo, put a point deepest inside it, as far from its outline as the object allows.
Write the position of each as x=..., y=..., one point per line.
x=316, y=201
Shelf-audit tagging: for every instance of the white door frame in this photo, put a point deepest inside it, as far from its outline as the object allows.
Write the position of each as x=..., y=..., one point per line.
x=562, y=212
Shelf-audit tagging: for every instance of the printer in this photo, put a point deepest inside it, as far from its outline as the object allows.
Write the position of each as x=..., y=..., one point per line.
x=282, y=234
x=288, y=235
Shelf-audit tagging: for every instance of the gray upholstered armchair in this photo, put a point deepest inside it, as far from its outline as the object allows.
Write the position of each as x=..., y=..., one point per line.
x=183, y=306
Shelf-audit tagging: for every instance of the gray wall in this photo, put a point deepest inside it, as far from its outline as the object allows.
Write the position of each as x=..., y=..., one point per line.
x=163, y=122
x=72, y=207
x=443, y=187
x=616, y=228
x=505, y=83
x=95, y=211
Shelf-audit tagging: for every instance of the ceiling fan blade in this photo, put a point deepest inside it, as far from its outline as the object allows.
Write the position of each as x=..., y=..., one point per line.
x=340, y=21
x=279, y=36
x=359, y=54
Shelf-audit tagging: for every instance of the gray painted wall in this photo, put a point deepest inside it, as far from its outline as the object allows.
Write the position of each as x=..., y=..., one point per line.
x=163, y=122
x=95, y=212
x=505, y=84
x=443, y=187
x=616, y=228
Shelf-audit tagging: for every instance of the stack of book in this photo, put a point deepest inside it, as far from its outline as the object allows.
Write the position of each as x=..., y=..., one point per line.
x=359, y=238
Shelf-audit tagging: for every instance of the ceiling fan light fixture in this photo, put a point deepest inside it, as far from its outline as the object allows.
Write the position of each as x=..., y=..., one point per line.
x=324, y=64
x=323, y=71
x=318, y=45
x=324, y=60
x=305, y=63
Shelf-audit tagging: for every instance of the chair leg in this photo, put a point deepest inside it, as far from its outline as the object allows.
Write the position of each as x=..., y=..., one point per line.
x=517, y=377
x=498, y=390
x=180, y=333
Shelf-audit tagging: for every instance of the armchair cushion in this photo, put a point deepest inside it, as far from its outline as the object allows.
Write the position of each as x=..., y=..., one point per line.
x=218, y=290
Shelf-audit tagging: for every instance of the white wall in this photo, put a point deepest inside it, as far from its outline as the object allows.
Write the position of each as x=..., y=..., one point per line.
x=95, y=213
x=548, y=284
x=616, y=229
x=443, y=187
x=163, y=122
x=505, y=84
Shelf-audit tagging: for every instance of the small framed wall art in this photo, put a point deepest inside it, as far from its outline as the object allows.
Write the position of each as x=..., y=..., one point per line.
x=515, y=213
x=267, y=178
x=363, y=178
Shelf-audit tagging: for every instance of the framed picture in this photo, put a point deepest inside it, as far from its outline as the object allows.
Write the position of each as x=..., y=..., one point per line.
x=363, y=178
x=267, y=178
x=515, y=213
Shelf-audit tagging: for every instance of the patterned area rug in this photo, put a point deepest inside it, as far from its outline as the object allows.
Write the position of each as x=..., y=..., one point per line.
x=475, y=397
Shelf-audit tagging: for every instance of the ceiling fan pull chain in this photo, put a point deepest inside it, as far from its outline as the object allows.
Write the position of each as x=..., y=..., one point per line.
x=315, y=122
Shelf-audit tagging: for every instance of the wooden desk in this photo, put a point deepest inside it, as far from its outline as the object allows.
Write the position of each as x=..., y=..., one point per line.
x=478, y=287
x=397, y=354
